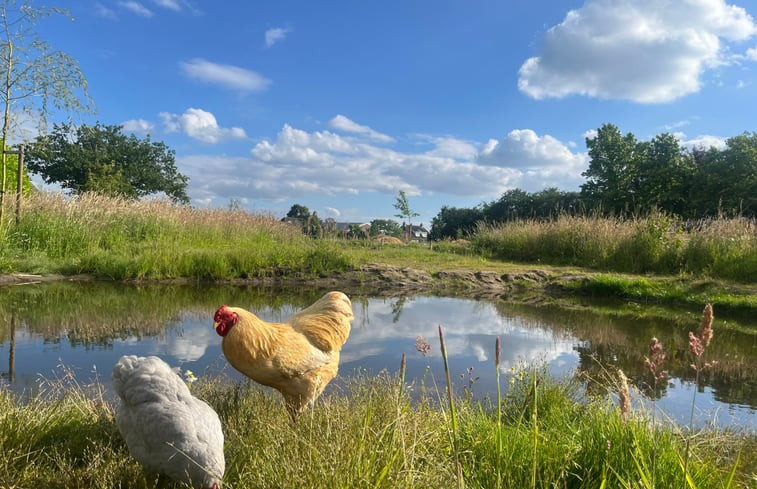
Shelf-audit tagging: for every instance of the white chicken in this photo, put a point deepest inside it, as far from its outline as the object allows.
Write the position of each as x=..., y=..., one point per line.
x=166, y=429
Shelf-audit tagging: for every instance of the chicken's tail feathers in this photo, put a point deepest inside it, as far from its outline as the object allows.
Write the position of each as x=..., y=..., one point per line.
x=327, y=322
x=132, y=373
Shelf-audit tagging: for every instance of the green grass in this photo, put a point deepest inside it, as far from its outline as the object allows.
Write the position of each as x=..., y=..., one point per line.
x=371, y=435
x=122, y=239
x=714, y=261
x=670, y=291
x=721, y=248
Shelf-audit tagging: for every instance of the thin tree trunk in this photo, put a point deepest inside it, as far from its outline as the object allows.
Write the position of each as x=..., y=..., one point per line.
x=6, y=119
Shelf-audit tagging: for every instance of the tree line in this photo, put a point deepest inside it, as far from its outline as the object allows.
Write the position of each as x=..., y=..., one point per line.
x=628, y=177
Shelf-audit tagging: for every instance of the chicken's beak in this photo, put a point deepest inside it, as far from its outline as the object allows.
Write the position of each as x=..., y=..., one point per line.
x=215, y=324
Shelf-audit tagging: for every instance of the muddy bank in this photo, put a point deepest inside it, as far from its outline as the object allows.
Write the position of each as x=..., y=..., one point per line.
x=379, y=279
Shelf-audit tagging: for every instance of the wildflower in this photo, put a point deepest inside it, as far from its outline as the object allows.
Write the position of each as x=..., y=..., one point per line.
x=654, y=361
x=705, y=328
x=623, y=394
x=700, y=341
x=422, y=345
x=189, y=377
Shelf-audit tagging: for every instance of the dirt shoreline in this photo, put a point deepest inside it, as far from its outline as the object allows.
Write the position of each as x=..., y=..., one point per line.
x=375, y=278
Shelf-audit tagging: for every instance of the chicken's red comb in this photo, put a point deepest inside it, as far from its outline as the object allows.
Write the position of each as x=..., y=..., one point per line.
x=219, y=313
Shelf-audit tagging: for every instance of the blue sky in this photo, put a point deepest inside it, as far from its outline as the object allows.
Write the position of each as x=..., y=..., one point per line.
x=339, y=105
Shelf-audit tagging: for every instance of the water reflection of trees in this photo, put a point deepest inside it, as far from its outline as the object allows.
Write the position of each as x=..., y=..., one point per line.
x=94, y=314
x=608, y=342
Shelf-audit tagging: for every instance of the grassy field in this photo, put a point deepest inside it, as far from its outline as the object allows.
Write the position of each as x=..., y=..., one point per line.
x=379, y=432
x=723, y=248
x=710, y=261
x=543, y=433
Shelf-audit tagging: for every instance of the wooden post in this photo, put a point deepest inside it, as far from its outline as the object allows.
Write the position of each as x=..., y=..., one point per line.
x=12, y=353
x=20, y=183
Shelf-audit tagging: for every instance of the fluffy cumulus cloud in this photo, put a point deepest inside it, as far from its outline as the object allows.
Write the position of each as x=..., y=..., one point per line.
x=298, y=163
x=344, y=124
x=138, y=126
x=542, y=161
x=704, y=141
x=274, y=35
x=228, y=76
x=647, y=51
x=200, y=125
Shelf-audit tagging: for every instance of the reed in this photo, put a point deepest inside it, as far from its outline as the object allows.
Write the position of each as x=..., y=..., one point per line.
x=719, y=247
x=125, y=239
x=364, y=435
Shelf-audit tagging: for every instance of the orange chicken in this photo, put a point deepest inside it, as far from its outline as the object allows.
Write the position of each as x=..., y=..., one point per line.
x=298, y=358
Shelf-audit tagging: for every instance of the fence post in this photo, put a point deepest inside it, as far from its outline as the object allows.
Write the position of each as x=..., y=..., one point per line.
x=20, y=183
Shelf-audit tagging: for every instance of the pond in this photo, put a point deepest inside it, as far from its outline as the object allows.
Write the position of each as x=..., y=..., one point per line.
x=81, y=329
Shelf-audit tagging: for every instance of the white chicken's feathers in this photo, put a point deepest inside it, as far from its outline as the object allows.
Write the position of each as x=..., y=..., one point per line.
x=166, y=429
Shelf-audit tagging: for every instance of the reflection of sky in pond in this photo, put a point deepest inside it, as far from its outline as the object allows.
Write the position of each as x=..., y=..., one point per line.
x=381, y=333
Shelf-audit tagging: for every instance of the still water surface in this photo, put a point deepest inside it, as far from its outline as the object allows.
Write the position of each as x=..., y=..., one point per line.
x=84, y=328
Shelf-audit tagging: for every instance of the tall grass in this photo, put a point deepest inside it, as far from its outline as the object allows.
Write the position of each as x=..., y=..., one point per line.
x=722, y=247
x=124, y=239
x=371, y=435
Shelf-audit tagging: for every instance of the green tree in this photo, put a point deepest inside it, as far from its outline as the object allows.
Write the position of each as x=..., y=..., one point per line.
x=405, y=212
x=102, y=159
x=726, y=180
x=514, y=204
x=664, y=175
x=298, y=211
x=550, y=202
x=36, y=79
x=452, y=222
x=387, y=227
x=612, y=171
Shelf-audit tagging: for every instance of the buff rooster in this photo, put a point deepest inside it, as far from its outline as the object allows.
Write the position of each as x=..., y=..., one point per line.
x=166, y=428
x=298, y=358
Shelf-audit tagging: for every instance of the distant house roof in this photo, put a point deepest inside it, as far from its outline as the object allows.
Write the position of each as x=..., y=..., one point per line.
x=344, y=226
x=417, y=233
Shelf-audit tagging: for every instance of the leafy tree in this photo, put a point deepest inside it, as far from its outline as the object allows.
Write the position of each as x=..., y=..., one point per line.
x=514, y=204
x=35, y=78
x=664, y=174
x=550, y=202
x=612, y=170
x=102, y=159
x=726, y=180
x=386, y=227
x=298, y=211
x=405, y=213
x=455, y=223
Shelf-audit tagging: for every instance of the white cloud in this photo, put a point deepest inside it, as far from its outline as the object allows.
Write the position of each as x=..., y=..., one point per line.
x=272, y=36
x=751, y=54
x=169, y=4
x=201, y=125
x=333, y=212
x=297, y=163
x=676, y=125
x=448, y=146
x=136, y=8
x=544, y=161
x=647, y=51
x=138, y=126
x=228, y=76
x=702, y=141
x=590, y=134
x=105, y=12
x=344, y=124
